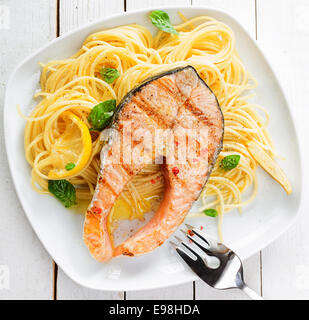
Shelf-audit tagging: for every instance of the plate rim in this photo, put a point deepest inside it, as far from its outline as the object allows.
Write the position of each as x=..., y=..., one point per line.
x=142, y=11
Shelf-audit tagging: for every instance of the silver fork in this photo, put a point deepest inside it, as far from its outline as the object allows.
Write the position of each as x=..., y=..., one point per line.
x=229, y=273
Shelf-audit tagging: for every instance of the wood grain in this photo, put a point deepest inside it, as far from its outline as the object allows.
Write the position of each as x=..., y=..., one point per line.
x=75, y=13
x=138, y=4
x=31, y=24
x=181, y=292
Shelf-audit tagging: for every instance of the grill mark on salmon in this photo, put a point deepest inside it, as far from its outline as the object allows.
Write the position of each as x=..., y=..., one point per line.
x=169, y=86
x=155, y=116
x=105, y=181
x=162, y=102
x=197, y=112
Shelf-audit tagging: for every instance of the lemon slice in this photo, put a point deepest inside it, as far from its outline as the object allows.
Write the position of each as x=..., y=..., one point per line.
x=270, y=166
x=73, y=146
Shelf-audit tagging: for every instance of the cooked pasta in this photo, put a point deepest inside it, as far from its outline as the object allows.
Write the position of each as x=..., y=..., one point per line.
x=75, y=85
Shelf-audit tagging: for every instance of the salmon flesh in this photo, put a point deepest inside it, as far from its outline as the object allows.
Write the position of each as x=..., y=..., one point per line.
x=174, y=118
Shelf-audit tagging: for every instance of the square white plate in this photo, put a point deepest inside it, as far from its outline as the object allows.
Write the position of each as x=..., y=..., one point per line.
x=60, y=230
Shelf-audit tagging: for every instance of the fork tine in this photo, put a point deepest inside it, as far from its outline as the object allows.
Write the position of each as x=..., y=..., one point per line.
x=191, y=249
x=189, y=226
x=202, y=247
x=178, y=239
x=189, y=261
x=185, y=256
x=196, y=231
x=202, y=236
x=193, y=240
x=215, y=248
x=197, y=265
x=174, y=244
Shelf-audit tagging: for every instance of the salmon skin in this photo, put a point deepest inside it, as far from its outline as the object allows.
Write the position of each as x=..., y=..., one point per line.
x=180, y=103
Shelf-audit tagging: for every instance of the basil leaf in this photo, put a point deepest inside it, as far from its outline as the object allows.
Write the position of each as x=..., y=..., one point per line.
x=162, y=21
x=69, y=166
x=101, y=114
x=230, y=162
x=64, y=191
x=211, y=212
x=109, y=75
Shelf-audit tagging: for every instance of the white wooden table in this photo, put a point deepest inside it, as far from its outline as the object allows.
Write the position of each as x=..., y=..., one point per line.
x=280, y=271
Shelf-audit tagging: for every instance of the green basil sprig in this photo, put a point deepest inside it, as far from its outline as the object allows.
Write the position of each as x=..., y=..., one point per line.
x=64, y=191
x=109, y=75
x=162, y=21
x=101, y=114
x=211, y=212
x=69, y=166
x=230, y=162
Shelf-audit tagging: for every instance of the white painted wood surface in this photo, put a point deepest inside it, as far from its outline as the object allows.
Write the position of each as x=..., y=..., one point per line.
x=282, y=29
x=138, y=4
x=284, y=36
x=30, y=25
x=75, y=13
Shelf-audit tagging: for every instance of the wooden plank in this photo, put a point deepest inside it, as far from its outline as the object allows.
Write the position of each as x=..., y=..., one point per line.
x=138, y=4
x=284, y=37
x=184, y=291
x=75, y=13
x=25, y=266
x=244, y=12
x=69, y=290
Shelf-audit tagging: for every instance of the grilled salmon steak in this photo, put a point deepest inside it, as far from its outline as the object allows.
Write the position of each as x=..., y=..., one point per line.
x=174, y=117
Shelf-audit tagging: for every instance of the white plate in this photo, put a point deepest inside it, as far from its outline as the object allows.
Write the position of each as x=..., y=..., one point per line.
x=60, y=230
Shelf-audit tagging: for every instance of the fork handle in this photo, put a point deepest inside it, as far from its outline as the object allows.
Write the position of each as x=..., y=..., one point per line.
x=250, y=293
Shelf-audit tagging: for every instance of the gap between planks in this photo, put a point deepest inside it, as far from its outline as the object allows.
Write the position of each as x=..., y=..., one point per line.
x=256, y=18
x=58, y=18
x=55, y=266
x=55, y=277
